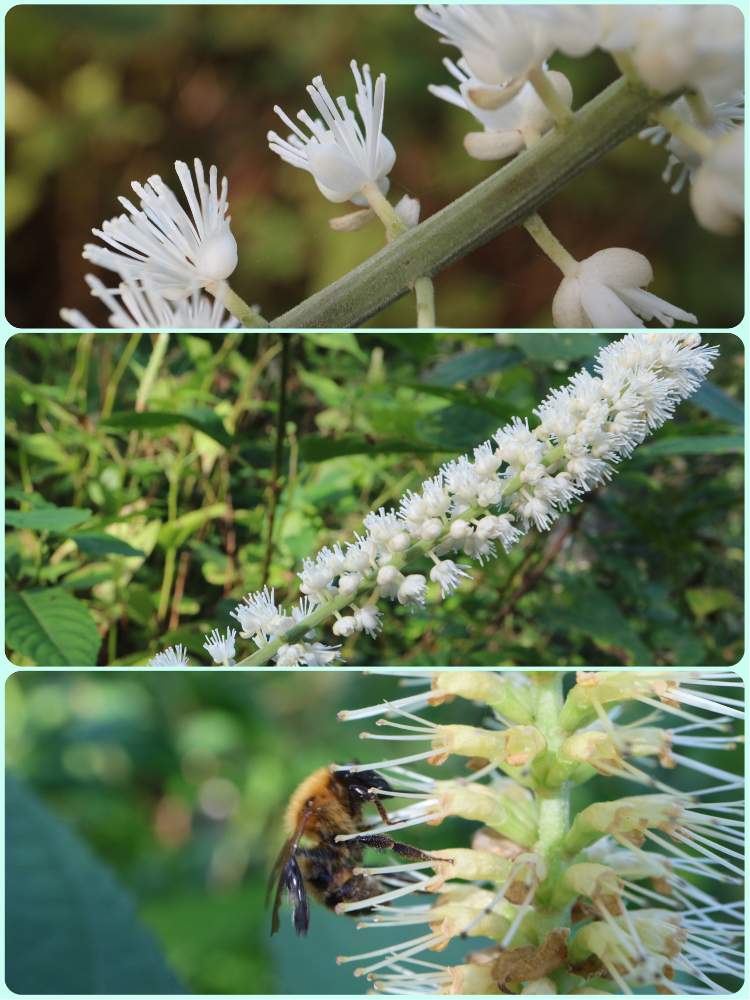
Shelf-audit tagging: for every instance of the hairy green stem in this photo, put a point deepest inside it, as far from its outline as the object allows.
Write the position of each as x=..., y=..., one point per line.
x=505, y=199
x=249, y=316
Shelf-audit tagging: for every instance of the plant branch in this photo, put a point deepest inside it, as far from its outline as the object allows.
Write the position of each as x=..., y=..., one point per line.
x=503, y=200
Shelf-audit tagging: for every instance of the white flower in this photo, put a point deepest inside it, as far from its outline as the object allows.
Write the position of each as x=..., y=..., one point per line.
x=368, y=619
x=717, y=194
x=341, y=154
x=606, y=290
x=221, y=649
x=161, y=246
x=259, y=615
x=172, y=656
x=412, y=590
x=679, y=45
x=389, y=579
x=306, y=654
x=447, y=575
x=132, y=306
x=502, y=42
x=509, y=127
x=344, y=626
x=683, y=159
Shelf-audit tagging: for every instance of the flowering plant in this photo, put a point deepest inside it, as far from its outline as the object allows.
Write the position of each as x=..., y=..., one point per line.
x=579, y=887
x=680, y=88
x=519, y=481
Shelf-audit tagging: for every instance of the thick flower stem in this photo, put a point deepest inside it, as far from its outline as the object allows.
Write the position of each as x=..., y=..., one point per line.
x=248, y=316
x=546, y=240
x=553, y=804
x=549, y=97
x=506, y=198
x=684, y=131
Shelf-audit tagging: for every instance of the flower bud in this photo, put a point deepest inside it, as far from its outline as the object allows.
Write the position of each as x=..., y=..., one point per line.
x=412, y=590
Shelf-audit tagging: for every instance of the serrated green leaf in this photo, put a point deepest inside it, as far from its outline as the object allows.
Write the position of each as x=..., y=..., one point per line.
x=471, y=364
x=102, y=544
x=464, y=397
x=719, y=403
x=64, y=901
x=697, y=444
x=59, y=519
x=560, y=346
x=456, y=428
x=51, y=627
x=201, y=420
x=315, y=448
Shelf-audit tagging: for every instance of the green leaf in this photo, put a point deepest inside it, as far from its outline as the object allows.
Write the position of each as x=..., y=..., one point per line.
x=456, y=428
x=343, y=341
x=705, y=601
x=464, y=397
x=560, y=346
x=201, y=420
x=51, y=627
x=101, y=544
x=315, y=448
x=471, y=364
x=177, y=532
x=719, y=403
x=59, y=519
x=697, y=444
x=71, y=928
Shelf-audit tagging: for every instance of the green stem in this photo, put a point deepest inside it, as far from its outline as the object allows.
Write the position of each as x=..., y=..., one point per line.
x=554, y=805
x=249, y=316
x=549, y=97
x=273, y=483
x=393, y=223
x=684, y=131
x=503, y=200
x=120, y=368
x=425, y=293
x=626, y=65
x=546, y=240
x=161, y=342
x=265, y=653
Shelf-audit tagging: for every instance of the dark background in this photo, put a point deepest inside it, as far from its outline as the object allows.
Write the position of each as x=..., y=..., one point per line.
x=99, y=96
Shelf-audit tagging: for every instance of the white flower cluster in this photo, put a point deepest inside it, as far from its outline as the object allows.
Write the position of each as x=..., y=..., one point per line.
x=521, y=479
x=698, y=48
x=618, y=897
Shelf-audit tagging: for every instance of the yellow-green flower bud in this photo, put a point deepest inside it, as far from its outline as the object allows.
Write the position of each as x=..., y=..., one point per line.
x=490, y=805
x=510, y=696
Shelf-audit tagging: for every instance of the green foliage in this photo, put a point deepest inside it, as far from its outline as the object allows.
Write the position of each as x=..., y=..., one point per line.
x=101, y=97
x=50, y=627
x=70, y=927
x=169, y=488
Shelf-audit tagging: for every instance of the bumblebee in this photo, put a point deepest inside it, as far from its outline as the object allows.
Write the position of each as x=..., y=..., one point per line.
x=327, y=804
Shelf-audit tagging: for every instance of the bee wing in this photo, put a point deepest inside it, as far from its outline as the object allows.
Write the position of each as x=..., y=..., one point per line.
x=287, y=875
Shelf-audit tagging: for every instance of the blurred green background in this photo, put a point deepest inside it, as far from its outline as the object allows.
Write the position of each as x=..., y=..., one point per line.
x=139, y=473
x=177, y=783
x=98, y=96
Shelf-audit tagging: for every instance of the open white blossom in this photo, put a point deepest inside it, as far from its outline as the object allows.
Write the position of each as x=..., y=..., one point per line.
x=172, y=656
x=672, y=46
x=607, y=290
x=164, y=247
x=512, y=125
x=501, y=43
x=520, y=480
x=341, y=152
x=220, y=648
x=683, y=161
x=131, y=305
x=717, y=193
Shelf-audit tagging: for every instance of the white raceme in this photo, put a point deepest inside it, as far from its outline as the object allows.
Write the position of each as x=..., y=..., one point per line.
x=341, y=151
x=521, y=480
x=161, y=246
x=608, y=290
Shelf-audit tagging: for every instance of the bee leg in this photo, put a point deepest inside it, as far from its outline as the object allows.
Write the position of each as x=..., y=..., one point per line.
x=382, y=842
